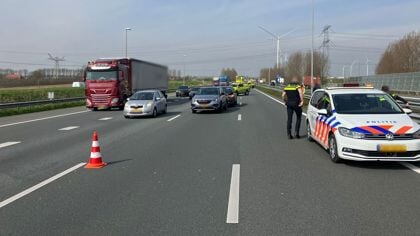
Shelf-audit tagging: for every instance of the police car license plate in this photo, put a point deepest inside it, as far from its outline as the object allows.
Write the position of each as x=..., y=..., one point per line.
x=392, y=148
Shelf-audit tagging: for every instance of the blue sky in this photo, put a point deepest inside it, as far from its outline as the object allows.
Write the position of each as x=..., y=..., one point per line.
x=212, y=34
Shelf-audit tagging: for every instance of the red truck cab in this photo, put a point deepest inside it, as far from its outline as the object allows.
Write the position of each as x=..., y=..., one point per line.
x=107, y=83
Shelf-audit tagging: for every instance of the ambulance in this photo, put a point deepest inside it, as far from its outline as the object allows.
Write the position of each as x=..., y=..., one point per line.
x=362, y=124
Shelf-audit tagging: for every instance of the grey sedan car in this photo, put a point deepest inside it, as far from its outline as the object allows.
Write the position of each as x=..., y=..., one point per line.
x=209, y=98
x=145, y=103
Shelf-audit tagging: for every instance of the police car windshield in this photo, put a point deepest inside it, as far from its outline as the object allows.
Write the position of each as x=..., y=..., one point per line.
x=365, y=104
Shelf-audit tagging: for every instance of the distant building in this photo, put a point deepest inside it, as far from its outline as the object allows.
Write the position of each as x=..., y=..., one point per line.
x=14, y=76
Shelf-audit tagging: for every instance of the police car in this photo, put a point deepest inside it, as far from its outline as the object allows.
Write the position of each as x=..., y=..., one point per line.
x=362, y=124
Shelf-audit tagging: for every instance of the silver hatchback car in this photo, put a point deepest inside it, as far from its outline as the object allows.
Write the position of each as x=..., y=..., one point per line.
x=145, y=103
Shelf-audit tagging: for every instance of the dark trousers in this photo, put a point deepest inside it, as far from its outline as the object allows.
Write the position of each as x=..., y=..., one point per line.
x=298, y=111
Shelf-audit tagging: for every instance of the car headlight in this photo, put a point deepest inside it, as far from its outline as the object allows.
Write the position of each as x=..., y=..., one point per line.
x=416, y=135
x=350, y=133
x=216, y=100
x=149, y=104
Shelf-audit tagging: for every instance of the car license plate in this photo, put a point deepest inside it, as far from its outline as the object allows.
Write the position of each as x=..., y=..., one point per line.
x=392, y=148
x=137, y=110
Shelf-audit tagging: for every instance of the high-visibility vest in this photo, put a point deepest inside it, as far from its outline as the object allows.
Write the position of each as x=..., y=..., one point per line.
x=292, y=93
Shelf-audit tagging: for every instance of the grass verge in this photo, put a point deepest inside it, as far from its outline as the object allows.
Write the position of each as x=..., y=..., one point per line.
x=25, y=95
x=38, y=108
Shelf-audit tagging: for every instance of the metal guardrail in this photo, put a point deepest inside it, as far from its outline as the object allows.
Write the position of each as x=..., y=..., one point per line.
x=38, y=102
x=49, y=101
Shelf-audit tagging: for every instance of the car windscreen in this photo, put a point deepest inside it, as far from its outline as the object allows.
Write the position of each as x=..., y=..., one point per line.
x=208, y=91
x=365, y=104
x=228, y=90
x=101, y=75
x=142, y=96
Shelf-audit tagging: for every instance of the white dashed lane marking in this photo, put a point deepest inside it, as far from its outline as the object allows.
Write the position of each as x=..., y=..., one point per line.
x=69, y=128
x=173, y=118
x=40, y=185
x=7, y=144
x=45, y=118
x=106, y=118
x=233, y=205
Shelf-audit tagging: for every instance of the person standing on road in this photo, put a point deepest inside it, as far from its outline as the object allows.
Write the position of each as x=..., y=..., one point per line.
x=395, y=96
x=293, y=97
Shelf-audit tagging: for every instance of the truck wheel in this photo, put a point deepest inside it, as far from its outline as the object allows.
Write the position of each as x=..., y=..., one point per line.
x=95, y=109
x=333, y=149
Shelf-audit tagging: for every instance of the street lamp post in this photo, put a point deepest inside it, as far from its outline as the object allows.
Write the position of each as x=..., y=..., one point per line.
x=312, y=47
x=126, y=41
x=185, y=56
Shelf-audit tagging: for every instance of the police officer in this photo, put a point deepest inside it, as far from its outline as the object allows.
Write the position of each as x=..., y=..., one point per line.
x=293, y=97
x=385, y=88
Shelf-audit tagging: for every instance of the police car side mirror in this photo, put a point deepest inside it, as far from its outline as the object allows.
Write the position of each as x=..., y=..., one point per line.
x=323, y=112
x=407, y=111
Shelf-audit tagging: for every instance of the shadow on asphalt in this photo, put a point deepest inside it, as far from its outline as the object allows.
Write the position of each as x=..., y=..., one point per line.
x=168, y=114
x=177, y=101
x=387, y=165
x=374, y=165
x=119, y=161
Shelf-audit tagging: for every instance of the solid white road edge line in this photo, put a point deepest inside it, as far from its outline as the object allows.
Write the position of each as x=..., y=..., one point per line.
x=239, y=116
x=44, y=118
x=173, y=118
x=411, y=167
x=233, y=205
x=6, y=144
x=275, y=99
x=40, y=185
x=69, y=128
x=106, y=118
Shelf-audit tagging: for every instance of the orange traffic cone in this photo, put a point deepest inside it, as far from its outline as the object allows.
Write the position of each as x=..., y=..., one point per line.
x=95, y=160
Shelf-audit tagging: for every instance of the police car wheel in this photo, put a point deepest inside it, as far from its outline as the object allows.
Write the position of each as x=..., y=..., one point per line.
x=308, y=132
x=332, y=143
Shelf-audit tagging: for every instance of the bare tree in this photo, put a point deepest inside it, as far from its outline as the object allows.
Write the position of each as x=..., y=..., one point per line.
x=401, y=56
x=230, y=72
x=295, y=65
x=272, y=72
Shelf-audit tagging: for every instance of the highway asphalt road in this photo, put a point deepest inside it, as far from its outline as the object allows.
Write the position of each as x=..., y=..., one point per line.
x=233, y=173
